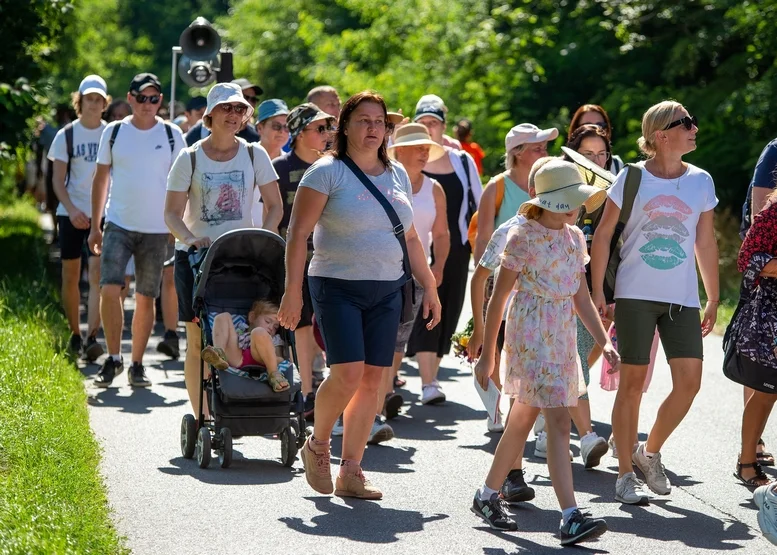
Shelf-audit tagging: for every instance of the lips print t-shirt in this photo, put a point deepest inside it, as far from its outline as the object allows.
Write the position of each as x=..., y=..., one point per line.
x=657, y=258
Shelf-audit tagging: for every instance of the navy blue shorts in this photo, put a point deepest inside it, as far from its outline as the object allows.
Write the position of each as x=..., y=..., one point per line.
x=358, y=319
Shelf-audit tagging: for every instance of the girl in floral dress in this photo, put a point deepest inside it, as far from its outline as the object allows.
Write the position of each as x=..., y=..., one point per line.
x=545, y=260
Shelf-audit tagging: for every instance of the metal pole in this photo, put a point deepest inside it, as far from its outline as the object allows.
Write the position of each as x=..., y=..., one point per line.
x=176, y=51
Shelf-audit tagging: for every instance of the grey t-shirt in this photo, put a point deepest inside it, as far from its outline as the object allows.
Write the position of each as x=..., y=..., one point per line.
x=354, y=238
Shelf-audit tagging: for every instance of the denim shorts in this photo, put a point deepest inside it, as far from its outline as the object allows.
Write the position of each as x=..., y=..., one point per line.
x=359, y=320
x=678, y=326
x=149, y=250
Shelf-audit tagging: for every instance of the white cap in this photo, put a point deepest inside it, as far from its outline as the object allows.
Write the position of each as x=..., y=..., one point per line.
x=430, y=105
x=93, y=84
x=528, y=133
x=223, y=93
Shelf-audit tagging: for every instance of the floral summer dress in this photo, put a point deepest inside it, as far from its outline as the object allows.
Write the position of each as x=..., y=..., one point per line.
x=541, y=362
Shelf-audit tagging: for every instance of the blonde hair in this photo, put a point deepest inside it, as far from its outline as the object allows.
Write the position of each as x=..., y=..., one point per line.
x=655, y=119
x=75, y=102
x=207, y=121
x=511, y=154
x=534, y=212
x=260, y=308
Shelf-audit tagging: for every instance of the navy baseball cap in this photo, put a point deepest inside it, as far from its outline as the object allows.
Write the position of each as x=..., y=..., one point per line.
x=144, y=80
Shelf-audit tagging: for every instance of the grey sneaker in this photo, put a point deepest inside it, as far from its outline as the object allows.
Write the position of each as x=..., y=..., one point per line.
x=592, y=449
x=628, y=489
x=653, y=470
x=380, y=431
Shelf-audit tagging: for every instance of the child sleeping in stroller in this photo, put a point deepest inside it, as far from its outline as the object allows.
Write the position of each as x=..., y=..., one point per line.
x=248, y=344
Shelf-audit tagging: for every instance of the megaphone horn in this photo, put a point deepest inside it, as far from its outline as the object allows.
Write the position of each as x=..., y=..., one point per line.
x=200, y=41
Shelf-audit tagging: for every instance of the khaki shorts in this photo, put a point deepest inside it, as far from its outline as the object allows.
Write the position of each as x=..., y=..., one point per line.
x=678, y=326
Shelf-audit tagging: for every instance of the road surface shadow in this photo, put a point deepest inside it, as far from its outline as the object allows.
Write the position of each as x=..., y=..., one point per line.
x=386, y=458
x=243, y=472
x=360, y=520
x=141, y=401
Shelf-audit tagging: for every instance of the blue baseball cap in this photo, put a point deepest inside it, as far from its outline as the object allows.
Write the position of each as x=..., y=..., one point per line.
x=271, y=108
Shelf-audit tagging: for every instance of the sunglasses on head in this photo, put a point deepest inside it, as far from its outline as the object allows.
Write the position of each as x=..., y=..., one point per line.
x=142, y=98
x=687, y=121
x=239, y=109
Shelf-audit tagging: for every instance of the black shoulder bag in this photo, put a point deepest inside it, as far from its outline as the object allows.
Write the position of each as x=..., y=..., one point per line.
x=408, y=289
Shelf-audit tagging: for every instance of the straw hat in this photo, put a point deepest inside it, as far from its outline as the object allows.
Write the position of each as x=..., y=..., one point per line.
x=414, y=134
x=593, y=174
x=560, y=188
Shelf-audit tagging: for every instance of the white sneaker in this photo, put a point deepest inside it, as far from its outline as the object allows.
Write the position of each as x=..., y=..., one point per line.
x=380, y=431
x=653, y=470
x=614, y=450
x=760, y=493
x=498, y=426
x=539, y=424
x=592, y=449
x=628, y=489
x=338, y=429
x=767, y=513
x=541, y=446
x=431, y=394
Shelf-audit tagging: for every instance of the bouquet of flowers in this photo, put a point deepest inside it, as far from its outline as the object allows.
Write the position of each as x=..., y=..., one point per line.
x=460, y=340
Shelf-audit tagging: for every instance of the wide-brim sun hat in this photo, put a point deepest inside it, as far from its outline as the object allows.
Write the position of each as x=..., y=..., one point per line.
x=525, y=133
x=415, y=134
x=559, y=187
x=395, y=118
x=227, y=93
x=592, y=173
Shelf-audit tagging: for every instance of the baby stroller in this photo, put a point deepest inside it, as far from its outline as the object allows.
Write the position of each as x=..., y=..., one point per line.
x=240, y=267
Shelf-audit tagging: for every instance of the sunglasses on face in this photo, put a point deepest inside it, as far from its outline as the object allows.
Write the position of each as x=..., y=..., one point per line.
x=239, y=109
x=142, y=98
x=687, y=121
x=275, y=126
x=251, y=99
x=321, y=129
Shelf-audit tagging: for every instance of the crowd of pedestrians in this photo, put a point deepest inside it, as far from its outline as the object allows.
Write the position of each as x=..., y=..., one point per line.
x=368, y=200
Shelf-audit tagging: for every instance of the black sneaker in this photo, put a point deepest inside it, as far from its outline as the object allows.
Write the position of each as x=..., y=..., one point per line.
x=581, y=528
x=310, y=405
x=169, y=345
x=75, y=344
x=392, y=405
x=515, y=490
x=493, y=512
x=93, y=350
x=108, y=371
x=137, y=376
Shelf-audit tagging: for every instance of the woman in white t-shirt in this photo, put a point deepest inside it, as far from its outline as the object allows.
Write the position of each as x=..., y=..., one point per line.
x=215, y=196
x=670, y=227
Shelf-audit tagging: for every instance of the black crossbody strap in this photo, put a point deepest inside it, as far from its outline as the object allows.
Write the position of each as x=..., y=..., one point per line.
x=630, y=189
x=399, y=230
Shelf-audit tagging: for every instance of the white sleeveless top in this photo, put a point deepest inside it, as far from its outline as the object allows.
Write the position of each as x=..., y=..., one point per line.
x=424, y=213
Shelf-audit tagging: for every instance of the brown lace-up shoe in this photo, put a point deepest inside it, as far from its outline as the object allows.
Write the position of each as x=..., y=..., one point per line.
x=356, y=485
x=317, y=471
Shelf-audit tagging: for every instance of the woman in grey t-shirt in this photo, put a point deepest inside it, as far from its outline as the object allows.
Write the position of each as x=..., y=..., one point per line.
x=355, y=276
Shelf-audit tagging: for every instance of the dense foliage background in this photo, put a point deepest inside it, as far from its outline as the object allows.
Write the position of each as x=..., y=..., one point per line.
x=499, y=62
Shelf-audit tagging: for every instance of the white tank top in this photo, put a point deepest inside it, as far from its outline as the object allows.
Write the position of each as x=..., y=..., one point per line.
x=424, y=213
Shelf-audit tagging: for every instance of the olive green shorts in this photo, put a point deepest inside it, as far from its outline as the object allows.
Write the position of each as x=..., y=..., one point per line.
x=678, y=326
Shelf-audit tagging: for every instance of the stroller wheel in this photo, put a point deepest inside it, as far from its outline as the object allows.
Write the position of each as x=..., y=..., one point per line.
x=188, y=436
x=288, y=446
x=203, y=447
x=225, y=451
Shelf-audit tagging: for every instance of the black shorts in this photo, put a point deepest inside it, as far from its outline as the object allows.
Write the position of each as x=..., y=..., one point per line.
x=184, y=286
x=306, y=317
x=73, y=241
x=500, y=337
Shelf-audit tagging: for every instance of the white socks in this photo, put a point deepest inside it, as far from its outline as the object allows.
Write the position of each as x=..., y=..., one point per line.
x=485, y=493
x=566, y=514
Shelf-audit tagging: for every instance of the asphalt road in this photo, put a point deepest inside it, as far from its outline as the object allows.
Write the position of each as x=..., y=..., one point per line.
x=165, y=504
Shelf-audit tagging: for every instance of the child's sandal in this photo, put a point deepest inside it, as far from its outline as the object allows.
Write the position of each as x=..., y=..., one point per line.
x=760, y=478
x=277, y=381
x=215, y=356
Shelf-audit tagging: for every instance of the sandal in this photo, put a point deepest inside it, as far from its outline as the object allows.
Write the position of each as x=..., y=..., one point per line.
x=399, y=382
x=277, y=381
x=215, y=356
x=764, y=458
x=760, y=478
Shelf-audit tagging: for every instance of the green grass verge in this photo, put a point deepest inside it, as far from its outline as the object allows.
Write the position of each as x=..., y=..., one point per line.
x=52, y=499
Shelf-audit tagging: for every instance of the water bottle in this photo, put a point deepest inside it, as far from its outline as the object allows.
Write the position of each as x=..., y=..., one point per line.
x=588, y=232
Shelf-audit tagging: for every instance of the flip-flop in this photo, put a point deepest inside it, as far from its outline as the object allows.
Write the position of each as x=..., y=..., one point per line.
x=277, y=381
x=215, y=356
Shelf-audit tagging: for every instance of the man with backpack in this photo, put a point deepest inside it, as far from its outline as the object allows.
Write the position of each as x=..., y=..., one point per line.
x=73, y=155
x=135, y=155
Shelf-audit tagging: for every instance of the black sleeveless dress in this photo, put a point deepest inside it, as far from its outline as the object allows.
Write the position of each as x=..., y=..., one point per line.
x=454, y=281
